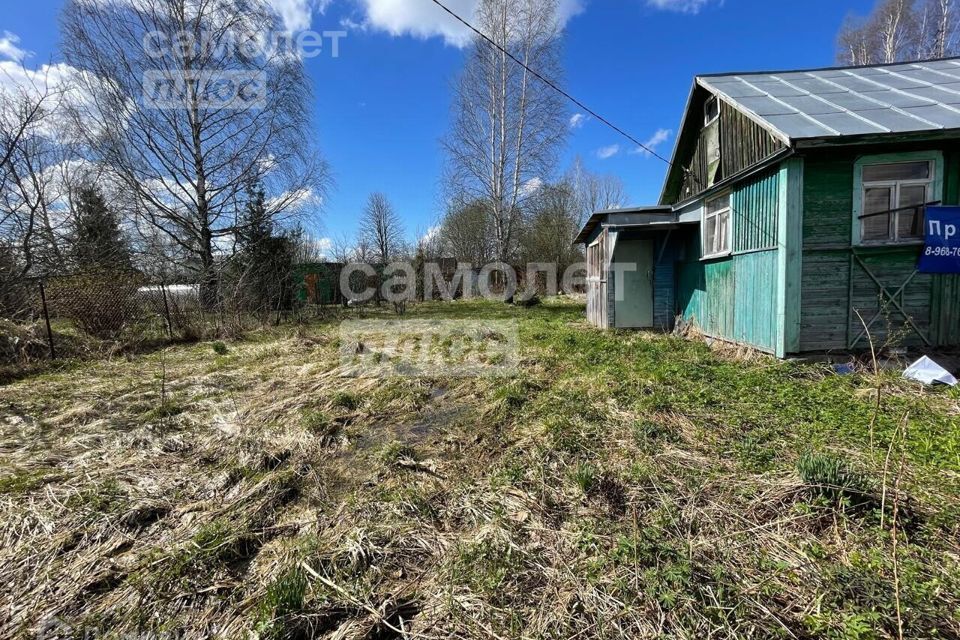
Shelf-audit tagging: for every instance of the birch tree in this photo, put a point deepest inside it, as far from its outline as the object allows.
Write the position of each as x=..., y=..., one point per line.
x=182, y=150
x=507, y=124
x=900, y=30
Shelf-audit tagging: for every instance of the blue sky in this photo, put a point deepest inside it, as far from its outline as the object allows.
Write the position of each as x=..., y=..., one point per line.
x=383, y=104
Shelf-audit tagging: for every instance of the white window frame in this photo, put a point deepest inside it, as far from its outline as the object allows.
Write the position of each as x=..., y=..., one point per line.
x=713, y=251
x=707, y=120
x=934, y=184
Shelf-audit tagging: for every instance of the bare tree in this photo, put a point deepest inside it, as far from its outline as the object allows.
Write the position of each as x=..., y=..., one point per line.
x=593, y=192
x=466, y=233
x=507, y=125
x=34, y=175
x=183, y=150
x=900, y=30
x=938, y=35
x=382, y=229
x=552, y=225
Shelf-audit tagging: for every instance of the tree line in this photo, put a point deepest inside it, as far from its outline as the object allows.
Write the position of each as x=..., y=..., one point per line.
x=502, y=198
x=187, y=185
x=899, y=31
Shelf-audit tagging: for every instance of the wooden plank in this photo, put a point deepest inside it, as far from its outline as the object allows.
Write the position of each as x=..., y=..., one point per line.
x=790, y=254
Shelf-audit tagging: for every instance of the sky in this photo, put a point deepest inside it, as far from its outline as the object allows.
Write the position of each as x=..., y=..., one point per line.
x=383, y=103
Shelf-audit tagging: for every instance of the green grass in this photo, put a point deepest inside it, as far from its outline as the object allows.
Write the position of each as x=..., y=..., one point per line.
x=621, y=484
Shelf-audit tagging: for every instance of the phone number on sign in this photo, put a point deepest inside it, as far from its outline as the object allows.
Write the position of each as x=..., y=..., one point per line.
x=943, y=252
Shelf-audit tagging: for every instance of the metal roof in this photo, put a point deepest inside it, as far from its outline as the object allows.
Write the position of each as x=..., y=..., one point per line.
x=635, y=215
x=829, y=103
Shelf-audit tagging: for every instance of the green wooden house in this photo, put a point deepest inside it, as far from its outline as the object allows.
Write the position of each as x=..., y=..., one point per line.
x=792, y=214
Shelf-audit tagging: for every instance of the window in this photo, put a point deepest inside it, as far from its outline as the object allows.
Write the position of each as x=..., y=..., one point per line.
x=711, y=112
x=716, y=227
x=711, y=138
x=892, y=196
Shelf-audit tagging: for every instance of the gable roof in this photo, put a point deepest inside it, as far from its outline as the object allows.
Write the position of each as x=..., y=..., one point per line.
x=820, y=106
x=837, y=102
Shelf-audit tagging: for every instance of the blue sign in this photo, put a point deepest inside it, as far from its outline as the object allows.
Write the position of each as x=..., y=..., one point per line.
x=942, y=253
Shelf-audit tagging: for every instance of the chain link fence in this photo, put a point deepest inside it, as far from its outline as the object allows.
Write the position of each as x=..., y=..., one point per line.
x=104, y=312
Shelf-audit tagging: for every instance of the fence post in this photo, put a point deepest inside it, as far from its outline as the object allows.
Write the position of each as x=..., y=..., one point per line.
x=166, y=310
x=46, y=319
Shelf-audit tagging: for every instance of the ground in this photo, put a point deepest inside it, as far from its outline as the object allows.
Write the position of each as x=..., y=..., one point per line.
x=621, y=484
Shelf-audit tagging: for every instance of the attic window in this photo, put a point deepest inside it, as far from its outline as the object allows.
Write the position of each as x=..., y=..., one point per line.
x=711, y=139
x=711, y=111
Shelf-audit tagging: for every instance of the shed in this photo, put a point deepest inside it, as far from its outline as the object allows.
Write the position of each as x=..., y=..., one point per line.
x=792, y=214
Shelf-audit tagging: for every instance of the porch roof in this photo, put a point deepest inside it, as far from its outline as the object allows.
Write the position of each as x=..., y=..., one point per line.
x=631, y=217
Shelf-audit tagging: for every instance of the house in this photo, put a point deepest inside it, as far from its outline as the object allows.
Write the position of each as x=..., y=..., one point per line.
x=792, y=213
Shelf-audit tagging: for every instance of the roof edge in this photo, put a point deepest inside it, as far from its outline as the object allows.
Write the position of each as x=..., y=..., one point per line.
x=833, y=68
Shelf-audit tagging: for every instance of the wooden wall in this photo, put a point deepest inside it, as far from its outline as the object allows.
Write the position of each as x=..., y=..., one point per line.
x=836, y=277
x=743, y=144
x=735, y=298
x=754, y=211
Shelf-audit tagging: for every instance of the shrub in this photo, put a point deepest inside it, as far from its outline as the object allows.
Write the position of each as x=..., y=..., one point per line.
x=101, y=304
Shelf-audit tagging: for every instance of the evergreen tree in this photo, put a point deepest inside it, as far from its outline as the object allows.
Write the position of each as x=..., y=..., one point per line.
x=97, y=241
x=265, y=259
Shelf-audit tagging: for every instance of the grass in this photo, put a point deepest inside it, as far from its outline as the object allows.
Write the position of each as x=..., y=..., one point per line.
x=621, y=484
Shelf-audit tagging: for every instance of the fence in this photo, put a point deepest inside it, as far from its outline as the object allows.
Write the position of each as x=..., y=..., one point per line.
x=77, y=314
x=73, y=315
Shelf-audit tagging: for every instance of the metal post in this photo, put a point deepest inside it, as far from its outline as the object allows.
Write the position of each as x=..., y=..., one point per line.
x=46, y=319
x=166, y=310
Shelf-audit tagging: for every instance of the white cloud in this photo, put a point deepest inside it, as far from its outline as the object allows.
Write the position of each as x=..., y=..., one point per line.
x=577, y=120
x=10, y=47
x=658, y=138
x=530, y=187
x=297, y=15
x=681, y=6
x=608, y=152
x=58, y=82
x=323, y=246
x=424, y=19
x=432, y=234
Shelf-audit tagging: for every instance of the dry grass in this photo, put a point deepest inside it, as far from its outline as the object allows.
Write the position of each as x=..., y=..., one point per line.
x=261, y=493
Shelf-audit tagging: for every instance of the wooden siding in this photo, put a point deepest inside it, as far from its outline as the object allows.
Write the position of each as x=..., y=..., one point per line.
x=735, y=298
x=839, y=280
x=755, y=208
x=945, y=310
x=755, y=320
x=665, y=283
x=732, y=299
x=743, y=144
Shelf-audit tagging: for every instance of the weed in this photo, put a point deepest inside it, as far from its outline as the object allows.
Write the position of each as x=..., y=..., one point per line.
x=585, y=476
x=220, y=348
x=393, y=452
x=346, y=400
x=164, y=411
x=27, y=481
x=828, y=475
x=284, y=598
x=103, y=498
x=321, y=425
x=484, y=566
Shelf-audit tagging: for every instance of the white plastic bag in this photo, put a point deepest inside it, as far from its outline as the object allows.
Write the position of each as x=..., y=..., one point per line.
x=927, y=371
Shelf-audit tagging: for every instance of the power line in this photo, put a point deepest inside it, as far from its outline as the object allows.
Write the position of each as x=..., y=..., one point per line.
x=580, y=104
x=553, y=85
